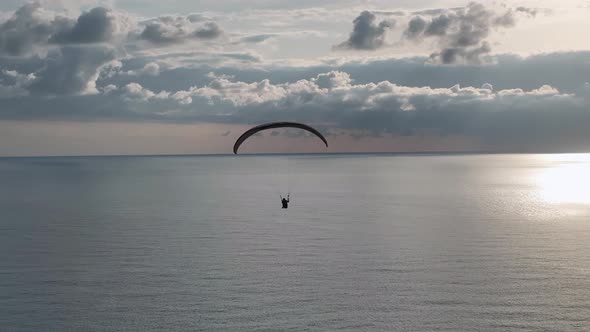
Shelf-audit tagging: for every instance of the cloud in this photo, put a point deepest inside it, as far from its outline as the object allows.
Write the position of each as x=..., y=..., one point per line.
x=334, y=91
x=438, y=26
x=103, y=64
x=208, y=31
x=416, y=27
x=237, y=93
x=43, y=62
x=14, y=84
x=203, y=59
x=495, y=115
x=177, y=29
x=72, y=70
x=462, y=33
x=515, y=117
x=94, y=26
x=134, y=91
x=531, y=11
x=33, y=28
x=366, y=34
x=28, y=26
x=149, y=69
x=565, y=71
x=264, y=38
x=108, y=89
x=487, y=86
x=198, y=18
x=332, y=80
x=256, y=39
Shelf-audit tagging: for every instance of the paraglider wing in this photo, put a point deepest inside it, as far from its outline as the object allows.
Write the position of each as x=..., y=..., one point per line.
x=273, y=125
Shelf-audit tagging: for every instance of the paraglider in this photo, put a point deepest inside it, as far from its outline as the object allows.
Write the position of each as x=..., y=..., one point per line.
x=274, y=125
x=252, y=131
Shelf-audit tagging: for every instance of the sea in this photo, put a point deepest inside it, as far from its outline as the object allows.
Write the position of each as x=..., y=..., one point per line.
x=370, y=242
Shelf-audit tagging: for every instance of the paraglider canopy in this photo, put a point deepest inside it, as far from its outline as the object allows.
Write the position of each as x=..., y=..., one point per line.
x=273, y=125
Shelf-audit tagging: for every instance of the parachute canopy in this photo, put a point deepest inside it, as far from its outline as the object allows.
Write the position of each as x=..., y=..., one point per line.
x=273, y=125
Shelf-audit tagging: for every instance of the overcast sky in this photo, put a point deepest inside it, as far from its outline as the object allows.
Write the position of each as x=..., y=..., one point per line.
x=154, y=77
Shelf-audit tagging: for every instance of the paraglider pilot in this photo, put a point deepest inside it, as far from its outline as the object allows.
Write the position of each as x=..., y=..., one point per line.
x=285, y=201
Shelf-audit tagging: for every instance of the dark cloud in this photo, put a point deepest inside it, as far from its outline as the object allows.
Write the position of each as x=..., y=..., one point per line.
x=71, y=70
x=56, y=69
x=507, y=20
x=438, y=26
x=366, y=33
x=209, y=31
x=25, y=29
x=30, y=27
x=469, y=55
x=94, y=26
x=158, y=34
x=415, y=28
x=462, y=33
x=177, y=29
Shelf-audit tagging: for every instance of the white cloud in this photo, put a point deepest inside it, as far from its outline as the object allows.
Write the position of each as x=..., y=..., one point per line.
x=487, y=86
x=109, y=89
x=332, y=80
x=149, y=69
x=134, y=91
x=334, y=89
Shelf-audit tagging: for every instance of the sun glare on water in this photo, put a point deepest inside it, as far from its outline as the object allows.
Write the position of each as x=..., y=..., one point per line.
x=565, y=179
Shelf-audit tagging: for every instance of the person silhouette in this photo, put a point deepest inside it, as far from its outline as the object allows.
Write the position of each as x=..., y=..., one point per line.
x=285, y=201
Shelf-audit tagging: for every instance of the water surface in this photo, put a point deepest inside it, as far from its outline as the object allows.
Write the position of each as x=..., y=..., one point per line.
x=370, y=242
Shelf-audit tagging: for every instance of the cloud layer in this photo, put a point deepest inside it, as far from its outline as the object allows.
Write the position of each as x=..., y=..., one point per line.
x=334, y=100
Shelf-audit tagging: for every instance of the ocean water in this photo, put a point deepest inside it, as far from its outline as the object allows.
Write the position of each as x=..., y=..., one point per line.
x=369, y=243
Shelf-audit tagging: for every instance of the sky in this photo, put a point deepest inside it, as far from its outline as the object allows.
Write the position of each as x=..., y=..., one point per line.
x=96, y=77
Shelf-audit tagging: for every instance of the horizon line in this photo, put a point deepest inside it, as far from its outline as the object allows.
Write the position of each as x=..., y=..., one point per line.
x=418, y=153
